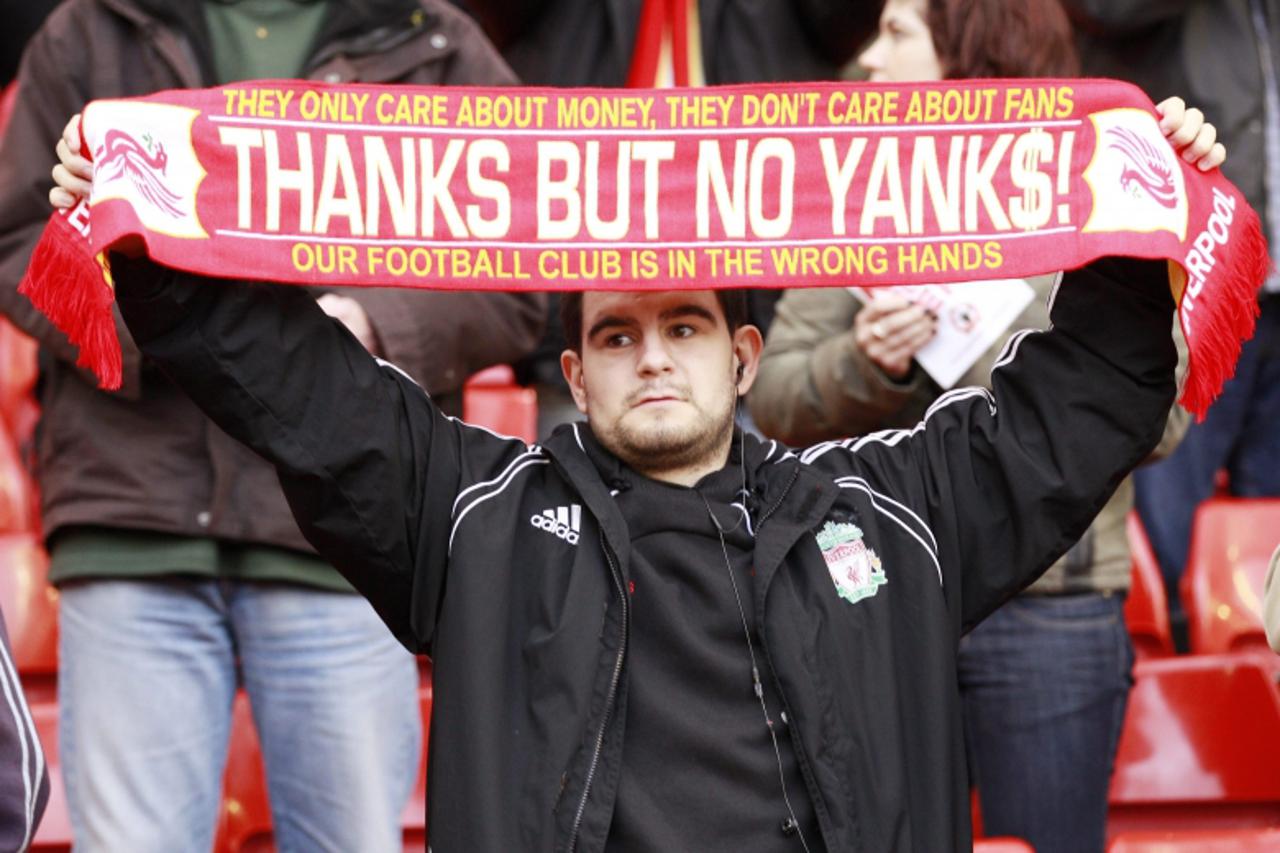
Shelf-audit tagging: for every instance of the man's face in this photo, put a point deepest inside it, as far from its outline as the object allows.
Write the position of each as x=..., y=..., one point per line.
x=658, y=376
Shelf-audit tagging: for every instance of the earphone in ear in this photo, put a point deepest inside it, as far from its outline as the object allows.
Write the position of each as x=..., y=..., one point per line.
x=741, y=368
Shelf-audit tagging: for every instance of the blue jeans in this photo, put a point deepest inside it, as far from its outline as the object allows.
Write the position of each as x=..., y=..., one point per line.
x=1241, y=433
x=147, y=676
x=1044, y=682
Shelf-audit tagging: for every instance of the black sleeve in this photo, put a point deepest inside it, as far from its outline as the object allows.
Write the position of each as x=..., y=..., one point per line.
x=369, y=465
x=1003, y=482
x=24, y=775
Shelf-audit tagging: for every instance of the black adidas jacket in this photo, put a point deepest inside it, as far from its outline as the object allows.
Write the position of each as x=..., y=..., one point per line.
x=432, y=521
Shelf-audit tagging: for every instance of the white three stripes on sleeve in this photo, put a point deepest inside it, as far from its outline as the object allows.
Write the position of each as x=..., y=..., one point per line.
x=24, y=727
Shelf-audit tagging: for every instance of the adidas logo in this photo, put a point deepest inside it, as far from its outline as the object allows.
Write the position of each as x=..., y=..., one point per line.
x=563, y=521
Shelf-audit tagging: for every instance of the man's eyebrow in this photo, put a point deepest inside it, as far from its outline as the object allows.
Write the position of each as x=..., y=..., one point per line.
x=606, y=322
x=688, y=309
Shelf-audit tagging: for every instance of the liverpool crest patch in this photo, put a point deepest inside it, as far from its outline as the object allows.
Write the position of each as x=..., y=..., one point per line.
x=854, y=567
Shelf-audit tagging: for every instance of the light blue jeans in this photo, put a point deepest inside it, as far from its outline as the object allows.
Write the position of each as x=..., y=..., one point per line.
x=147, y=676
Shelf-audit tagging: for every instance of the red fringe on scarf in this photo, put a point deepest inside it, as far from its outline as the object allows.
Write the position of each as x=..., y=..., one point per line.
x=69, y=286
x=1225, y=315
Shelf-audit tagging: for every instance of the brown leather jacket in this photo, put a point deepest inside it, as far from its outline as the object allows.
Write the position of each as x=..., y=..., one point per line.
x=145, y=458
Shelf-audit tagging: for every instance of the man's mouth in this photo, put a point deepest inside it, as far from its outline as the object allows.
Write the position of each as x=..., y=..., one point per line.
x=653, y=397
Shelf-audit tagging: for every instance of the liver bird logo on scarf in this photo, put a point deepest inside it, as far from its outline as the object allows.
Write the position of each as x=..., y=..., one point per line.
x=1146, y=167
x=148, y=161
x=1135, y=177
x=143, y=164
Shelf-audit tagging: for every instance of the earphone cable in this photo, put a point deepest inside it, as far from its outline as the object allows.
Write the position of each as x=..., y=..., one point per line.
x=757, y=685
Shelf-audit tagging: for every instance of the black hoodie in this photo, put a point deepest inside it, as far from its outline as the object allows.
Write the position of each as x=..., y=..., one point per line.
x=510, y=564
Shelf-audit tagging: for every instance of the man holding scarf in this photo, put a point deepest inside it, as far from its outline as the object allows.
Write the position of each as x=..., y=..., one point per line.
x=656, y=632
x=180, y=568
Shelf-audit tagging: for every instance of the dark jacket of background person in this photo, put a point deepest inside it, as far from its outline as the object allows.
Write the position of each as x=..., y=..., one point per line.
x=21, y=19
x=1204, y=51
x=145, y=458
x=589, y=42
x=24, y=776
x=815, y=384
x=528, y=632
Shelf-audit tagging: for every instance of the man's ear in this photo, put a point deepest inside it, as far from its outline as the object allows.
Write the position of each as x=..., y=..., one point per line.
x=571, y=367
x=747, y=345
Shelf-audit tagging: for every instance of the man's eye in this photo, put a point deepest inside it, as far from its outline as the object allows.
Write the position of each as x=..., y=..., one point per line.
x=619, y=340
x=682, y=330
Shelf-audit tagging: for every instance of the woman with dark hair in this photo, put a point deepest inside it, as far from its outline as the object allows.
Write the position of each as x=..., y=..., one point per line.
x=990, y=38
x=1045, y=679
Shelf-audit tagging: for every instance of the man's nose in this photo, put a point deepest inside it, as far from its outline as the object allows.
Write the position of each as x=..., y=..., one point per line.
x=655, y=358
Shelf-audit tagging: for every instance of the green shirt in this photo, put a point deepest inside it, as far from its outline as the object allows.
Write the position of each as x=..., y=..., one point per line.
x=83, y=552
x=262, y=39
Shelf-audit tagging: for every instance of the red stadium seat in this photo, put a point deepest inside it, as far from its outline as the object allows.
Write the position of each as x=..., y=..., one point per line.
x=492, y=399
x=30, y=608
x=1231, y=545
x=1002, y=845
x=53, y=835
x=18, y=410
x=1146, y=609
x=245, y=822
x=244, y=825
x=1197, y=841
x=19, y=512
x=1200, y=747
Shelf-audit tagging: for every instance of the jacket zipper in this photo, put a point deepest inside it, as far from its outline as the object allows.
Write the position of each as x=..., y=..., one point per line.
x=795, y=475
x=609, y=698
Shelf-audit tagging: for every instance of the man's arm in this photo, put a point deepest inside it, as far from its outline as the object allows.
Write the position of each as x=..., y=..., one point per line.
x=369, y=465
x=1007, y=479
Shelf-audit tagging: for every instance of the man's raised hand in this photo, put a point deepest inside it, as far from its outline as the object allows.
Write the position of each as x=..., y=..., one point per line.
x=1190, y=135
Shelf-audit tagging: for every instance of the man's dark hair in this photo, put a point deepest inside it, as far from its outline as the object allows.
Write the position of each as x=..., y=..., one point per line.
x=732, y=302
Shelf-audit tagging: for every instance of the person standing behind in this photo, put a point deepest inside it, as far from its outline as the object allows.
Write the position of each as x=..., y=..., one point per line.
x=1044, y=680
x=180, y=566
x=1224, y=54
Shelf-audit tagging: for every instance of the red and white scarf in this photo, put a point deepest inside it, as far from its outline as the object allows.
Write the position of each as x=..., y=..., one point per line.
x=806, y=185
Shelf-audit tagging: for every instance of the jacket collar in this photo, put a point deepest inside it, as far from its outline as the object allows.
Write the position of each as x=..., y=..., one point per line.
x=786, y=500
x=568, y=449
